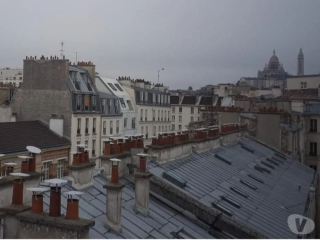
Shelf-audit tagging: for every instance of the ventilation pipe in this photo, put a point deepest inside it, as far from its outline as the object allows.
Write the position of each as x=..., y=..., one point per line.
x=55, y=195
x=37, y=199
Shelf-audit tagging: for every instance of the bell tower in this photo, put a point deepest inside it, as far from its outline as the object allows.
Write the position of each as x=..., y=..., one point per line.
x=300, y=70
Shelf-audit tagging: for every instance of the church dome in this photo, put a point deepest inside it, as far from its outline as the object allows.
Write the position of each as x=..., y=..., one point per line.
x=274, y=61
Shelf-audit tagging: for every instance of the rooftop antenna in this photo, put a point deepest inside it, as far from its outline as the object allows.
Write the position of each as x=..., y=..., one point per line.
x=61, y=55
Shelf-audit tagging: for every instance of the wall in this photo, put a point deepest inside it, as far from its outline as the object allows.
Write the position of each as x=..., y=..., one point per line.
x=245, y=104
x=229, y=117
x=185, y=114
x=11, y=76
x=268, y=129
x=5, y=114
x=312, y=81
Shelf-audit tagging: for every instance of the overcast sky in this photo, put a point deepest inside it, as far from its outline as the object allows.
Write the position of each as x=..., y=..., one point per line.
x=197, y=42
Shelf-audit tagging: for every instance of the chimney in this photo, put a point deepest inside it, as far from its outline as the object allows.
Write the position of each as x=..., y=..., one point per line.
x=25, y=163
x=114, y=198
x=73, y=204
x=55, y=195
x=9, y=168
x=17, y=192
x=32, y=161
x=142, y=186
x=37, y=199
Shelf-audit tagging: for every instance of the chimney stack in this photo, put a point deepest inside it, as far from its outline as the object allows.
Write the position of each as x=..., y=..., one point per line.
x=9, y=168
x=55, y=195
x=25, y=163
x=17, y=193
x=114, y=198
x=73, y=204
x=142, y=186
x=32, y=161
x=37, y=199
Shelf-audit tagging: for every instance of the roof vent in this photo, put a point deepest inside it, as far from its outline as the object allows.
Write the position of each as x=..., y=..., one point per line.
x=267, y=164
x=277, y=160
x=222, y=158
x=239, y=191
x=280, y=155
x=255, y=178
x=221, y=208
x=261, y=169
x=247, y=148
x=248, y=184
x=174, y=179
x=231, y=201
x=271, y=161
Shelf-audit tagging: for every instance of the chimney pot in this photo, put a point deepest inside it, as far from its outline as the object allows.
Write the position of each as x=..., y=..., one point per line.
x=37, y=199
x=55, y=196
x=115, y=170
x=73, y=205
x=143, y=162
x=17, y=193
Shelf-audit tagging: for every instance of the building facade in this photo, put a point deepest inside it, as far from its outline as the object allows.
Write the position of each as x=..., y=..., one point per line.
x=11, y=76
x=152, y=106
x=300, y=68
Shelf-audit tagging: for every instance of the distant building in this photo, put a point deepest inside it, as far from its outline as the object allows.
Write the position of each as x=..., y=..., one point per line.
x=300, y=69
x=11, y=76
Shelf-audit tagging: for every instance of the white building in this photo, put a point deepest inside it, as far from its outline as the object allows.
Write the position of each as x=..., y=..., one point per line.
x=112, y=122
x=13, y=76
x=186, y=109
x=152, y=106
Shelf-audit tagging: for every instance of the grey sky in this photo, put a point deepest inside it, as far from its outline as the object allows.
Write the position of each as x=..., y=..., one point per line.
x=198, y=42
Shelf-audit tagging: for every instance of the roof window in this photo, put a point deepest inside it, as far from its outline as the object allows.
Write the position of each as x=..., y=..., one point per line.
x=249, y=149
x=112, y=87
x=118, y=86
x=277, y=160
x=272, y=162
x=248, y=185
x=174, y=179
x=280, y=155
x=261, y=169
x=223, y=158
x=231, y=201
x=239, y=191
x=267, y=164
x=221, y=208
x=255, y=178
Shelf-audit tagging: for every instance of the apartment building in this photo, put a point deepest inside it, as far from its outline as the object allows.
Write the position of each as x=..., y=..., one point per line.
x=64, y=96
x=186, y=109
x=152, y=106
x=11, y=76
x=303, y=82
x=124, y=116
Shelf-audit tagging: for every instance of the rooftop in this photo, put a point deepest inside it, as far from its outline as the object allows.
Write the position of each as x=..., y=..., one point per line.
x=301, y=94
x=162, y=221
x=15, y=136
x=247, y=181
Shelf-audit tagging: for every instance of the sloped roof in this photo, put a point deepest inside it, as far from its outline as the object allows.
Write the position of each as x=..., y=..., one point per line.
x=162, y=219
x=205, y=100
x=301, y=94
x=174, y=99
x=259, y=197
x=15, y=136
x=189, y=100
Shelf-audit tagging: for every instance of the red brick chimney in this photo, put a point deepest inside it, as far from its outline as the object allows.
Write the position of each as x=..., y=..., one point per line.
x=55, y=195
x=143, y=162
x=33, y=151
x=115, y=170
x=24, y=163
x=73, y=204
x=37, y=199
x=17, y=193
x=9, y=168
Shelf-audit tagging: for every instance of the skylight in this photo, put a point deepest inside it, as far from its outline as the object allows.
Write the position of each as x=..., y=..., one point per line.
x=112, y=87
x=267, y=164
x=240, y=192
x=255, y=178
x=249, y=149
x=277, y=160
x=174, y=179
x=261, y=169
x=231, y=201
x=222, y=208
x=248, y=185
x=280, y=155
x=118, y=86
x=271, y=161
x=224, y=159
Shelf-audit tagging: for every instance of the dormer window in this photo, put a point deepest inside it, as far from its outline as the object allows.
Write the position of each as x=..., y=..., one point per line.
x=112, y=87
x=94, y=103
x=146, y=96
x=103, y=103
x=79, y=99
x=86, y=102
x=141, y=97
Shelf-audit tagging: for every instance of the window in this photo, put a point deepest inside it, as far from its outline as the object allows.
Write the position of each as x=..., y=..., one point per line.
x=192, y=118
x=146, y=115
x=154, y=130
x=45, y=169
x=168, y=115
x=198, y=109
x=111, y=127
x=313, y=149
x=141, y=115
x=141, y=130
x=162, y=128
x=123, y=105
x=118, y=86
x=110, y=107
x=173, y=127
x=94, y=103
x=192, y=110
x=14, y=78
x=20, y=78
x=19, y=73
x=303, y=85
x=180, y=118
x=79, y=102
x=87, y=125
x=86, y=103
x=180, y=127
x=60, y=168
x=166, y=128
x=154, y=98
x=116, y=106
x=133, y=123
x=141, y=97
x=79, y=126
x=159, y=129
x=313, y=125
x=314, y=167
x=117, y=125
x=153, y=115
x=129, y=104
x=180, y=109
x=173, y=110
x=112, y=86
x=103, y=106
x=94, y=126
x=93, y=147
x=125, y=123
x=86, y=143
x=161, y=115
x=146, y=97
x=158, y=115
x=147, y=132
x=104, y=126
x=173, y=117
